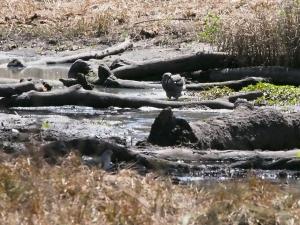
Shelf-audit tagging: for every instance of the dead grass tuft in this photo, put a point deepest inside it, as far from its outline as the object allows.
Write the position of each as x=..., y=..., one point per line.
x=71, y=193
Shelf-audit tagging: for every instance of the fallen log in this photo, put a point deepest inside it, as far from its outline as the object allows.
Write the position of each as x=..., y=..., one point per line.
x=97, y=147
x=249, y=96
x=75, y=95
x=154, y=69
x=235, y=85
x=265, y=129
x=53, y=83
x=93, y=54
x=8, y=90
x=276, y=74
x=114, y=82
x=253, y=159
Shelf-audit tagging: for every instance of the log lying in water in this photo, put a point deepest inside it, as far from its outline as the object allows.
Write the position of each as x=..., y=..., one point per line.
x=167, y=159
x=269, y=160
x=235, y=85
x=7, y=90
x=265, y=129
x=93, y=55
x=97, y=147
x=276, y=74
x=75, y=95
x=114, y=82
x=154, y=69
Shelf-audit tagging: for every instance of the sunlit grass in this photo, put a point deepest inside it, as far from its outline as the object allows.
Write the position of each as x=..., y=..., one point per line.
x=33, y=192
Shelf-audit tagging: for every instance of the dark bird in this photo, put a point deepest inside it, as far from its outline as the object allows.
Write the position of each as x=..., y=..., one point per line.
x=173, y=85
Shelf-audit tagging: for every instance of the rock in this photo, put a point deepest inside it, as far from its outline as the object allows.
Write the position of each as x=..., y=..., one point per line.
x=103, y=73
x=79, y=66
x=16, y=64
x=243, y=104
x=168, y=130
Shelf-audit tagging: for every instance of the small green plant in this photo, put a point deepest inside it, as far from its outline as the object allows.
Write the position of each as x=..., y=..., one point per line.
x=211, y=28
x=213, y=93
x=275, y=94
x=45, y=125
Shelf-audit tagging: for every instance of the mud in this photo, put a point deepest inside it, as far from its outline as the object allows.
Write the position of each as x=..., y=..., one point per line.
x=25, y=127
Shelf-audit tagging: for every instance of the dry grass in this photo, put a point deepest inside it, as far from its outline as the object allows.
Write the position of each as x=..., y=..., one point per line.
x=93, y=18
x=264, y=32
x=32, y=192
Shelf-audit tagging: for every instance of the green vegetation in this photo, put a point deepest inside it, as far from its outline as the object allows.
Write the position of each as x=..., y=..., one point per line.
x=213, y=93
x=33, y=192
x=276, y=95
x=211, y=28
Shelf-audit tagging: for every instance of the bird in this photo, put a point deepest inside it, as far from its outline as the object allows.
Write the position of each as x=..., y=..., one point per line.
x=173, y=85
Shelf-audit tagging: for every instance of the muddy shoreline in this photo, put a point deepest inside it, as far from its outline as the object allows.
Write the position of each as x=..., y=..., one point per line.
x=22, y=127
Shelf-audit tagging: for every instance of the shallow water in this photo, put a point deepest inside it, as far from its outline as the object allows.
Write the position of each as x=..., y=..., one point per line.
x=132, y=124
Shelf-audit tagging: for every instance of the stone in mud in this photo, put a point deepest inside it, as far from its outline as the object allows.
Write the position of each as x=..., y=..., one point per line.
x=15, y=64
x=94, y=72
x=103, y=73
x=167, y=130
x=79, y=66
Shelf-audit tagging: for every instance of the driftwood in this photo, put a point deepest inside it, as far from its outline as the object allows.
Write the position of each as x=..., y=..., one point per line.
x=93, y=55
x=276, y=74
x=75, y=95
x=154, y=69
x=7, y=90
x=264, y=129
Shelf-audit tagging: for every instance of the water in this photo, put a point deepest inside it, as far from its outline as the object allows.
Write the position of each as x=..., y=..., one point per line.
x=132, y=124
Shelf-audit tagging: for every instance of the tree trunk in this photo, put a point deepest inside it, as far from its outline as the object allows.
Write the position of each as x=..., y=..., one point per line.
x=7, y=90
x=154, y=69
x=235, y=85
x=276, y=74
x=75, y=95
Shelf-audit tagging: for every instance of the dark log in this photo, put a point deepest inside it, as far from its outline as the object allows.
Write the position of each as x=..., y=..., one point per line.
x=75, y=95
x=235, y=85
x=53, y=83
x=114, y=82
x=249, y=96
x=276, y=74
x=154, y=69
x=94, y=54
x=7, y=90
x=265, y=129
x=95, y=147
